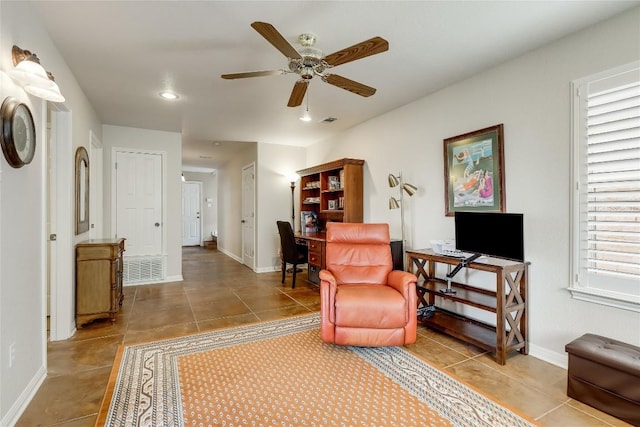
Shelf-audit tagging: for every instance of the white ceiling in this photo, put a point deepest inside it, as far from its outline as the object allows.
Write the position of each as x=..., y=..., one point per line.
x=123, y=53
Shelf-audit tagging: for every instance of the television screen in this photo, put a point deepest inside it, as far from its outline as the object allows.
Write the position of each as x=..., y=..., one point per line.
x=490, y=233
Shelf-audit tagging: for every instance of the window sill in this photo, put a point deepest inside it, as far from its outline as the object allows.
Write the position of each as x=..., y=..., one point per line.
x=611, y=299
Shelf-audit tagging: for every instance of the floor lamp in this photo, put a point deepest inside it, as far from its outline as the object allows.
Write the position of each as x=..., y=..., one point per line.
x=293, y=178
x=396, y=181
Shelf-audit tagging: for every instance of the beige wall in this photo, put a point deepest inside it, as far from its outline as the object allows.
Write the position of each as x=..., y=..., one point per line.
x=531, y=96
x=23, y=229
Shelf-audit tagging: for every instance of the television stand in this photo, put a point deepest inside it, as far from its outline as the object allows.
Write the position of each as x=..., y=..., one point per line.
x=508, y=301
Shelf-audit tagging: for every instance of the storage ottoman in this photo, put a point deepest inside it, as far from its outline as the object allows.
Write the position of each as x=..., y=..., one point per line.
x=605, y=373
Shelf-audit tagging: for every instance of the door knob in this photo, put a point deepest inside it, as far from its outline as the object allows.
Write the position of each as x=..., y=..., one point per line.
x=157, y=224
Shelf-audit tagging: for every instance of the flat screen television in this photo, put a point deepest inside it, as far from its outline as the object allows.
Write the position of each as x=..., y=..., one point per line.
x=490, y=233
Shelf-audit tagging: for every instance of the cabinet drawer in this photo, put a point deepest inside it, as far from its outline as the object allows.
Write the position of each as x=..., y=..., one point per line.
x=315, y=259
x=315, y=247
x=95, y=252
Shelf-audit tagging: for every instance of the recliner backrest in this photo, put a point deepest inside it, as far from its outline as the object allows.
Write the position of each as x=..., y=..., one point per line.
x=358, y=253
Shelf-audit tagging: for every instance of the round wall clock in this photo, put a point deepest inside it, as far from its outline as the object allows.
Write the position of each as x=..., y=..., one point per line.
x=18, y=136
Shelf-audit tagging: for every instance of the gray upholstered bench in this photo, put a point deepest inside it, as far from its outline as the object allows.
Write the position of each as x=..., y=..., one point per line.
x=605, y=373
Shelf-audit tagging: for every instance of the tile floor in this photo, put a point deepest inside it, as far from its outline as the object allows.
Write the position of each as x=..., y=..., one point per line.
x=219, y=292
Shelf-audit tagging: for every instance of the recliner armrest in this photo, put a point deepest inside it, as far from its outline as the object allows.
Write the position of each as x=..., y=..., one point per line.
x=401, y=281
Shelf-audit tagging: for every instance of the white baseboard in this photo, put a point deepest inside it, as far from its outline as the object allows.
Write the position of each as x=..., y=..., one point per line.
x=559, y=359
x=18, y=408
x=229, y=254
x=267, y=269
x=169, y=279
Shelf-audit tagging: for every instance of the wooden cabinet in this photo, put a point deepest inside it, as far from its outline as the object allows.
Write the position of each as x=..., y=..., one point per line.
x=315, y=258
x=508, y=300
x=333, y=191
x=98, y=279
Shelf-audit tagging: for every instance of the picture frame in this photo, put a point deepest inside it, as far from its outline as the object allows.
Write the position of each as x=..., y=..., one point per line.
x=474, y=171
x=82, y=190
x=309, y=222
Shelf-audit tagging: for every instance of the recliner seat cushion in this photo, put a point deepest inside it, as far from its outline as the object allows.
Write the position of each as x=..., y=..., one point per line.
x=358, y=306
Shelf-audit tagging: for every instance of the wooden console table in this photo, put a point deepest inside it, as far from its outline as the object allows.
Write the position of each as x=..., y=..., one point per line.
x=508, y=301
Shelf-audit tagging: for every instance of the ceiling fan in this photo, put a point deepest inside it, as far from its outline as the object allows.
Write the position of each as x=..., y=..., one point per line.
x=310, y=61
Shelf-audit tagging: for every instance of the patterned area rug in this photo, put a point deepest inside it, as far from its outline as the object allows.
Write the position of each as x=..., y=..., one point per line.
x=281, y=374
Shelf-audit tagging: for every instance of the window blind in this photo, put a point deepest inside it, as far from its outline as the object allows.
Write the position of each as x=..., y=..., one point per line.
x=613, y=181
x=605, y=232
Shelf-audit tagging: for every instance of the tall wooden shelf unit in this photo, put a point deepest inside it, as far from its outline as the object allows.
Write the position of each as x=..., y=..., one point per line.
x=507, y=300
x=333, y=191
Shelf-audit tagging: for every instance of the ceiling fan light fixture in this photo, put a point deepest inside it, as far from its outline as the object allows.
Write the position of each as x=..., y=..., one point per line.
x=305, y=117
x=169, y=95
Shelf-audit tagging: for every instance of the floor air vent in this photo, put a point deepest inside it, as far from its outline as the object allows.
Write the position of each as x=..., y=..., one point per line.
x=143, y=269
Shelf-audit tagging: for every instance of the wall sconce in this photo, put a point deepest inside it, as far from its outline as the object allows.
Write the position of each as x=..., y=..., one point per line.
x=33, y=77
x=396, y=181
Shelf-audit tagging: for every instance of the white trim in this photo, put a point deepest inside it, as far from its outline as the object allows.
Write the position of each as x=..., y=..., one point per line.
x=169, y=279
x=610, y=299
x=62, y=316
x=230, y=255
x=558, y=359
x=267, y=269
x=96, y=187
x=20, y=405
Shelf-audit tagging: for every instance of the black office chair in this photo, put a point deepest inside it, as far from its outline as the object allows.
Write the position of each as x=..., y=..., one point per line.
x=292, y=253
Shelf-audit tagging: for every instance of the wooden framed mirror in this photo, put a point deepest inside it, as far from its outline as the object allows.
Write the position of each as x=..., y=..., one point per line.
x=82, y=190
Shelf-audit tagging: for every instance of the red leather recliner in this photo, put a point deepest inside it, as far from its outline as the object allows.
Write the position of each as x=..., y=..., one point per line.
x=363, y=302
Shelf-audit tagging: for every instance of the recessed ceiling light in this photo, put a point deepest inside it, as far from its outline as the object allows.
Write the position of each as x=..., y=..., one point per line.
x=168, y=95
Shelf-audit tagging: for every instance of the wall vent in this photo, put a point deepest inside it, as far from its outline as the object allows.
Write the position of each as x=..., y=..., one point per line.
x=144, y=269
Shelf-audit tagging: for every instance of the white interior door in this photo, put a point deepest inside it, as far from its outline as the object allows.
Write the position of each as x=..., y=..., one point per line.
x=96, y=229
x=191, y=208
x=248, y=215
x=139, y=202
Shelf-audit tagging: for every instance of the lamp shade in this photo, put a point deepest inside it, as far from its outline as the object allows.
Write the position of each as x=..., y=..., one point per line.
x=409, y=189
x=50, y=92
x=29, y=73
x=393, y=181
x=393, y=203
x=36, y=81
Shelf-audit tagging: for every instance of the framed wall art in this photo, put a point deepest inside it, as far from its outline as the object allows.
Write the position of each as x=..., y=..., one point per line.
x=82, y=190
x=474, y=171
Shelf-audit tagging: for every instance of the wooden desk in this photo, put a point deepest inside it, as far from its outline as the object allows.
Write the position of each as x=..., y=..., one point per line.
x=508, y=301
x=316, y=252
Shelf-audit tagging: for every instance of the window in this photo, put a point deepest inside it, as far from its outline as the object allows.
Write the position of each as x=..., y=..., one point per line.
x=606, y=191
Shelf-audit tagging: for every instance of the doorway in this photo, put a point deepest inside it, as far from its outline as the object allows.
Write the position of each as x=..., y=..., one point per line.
x=59, y=232
x=139, y=184
x=248, y=215
x=191, y=213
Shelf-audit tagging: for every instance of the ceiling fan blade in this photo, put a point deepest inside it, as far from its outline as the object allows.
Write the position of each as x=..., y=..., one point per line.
x=252, y=74
x=350, y=85
x=358, y=51
x=298, y=92
x=272, y=35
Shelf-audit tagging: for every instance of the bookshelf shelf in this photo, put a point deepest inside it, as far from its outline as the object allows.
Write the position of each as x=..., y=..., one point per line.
x=333, y=190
